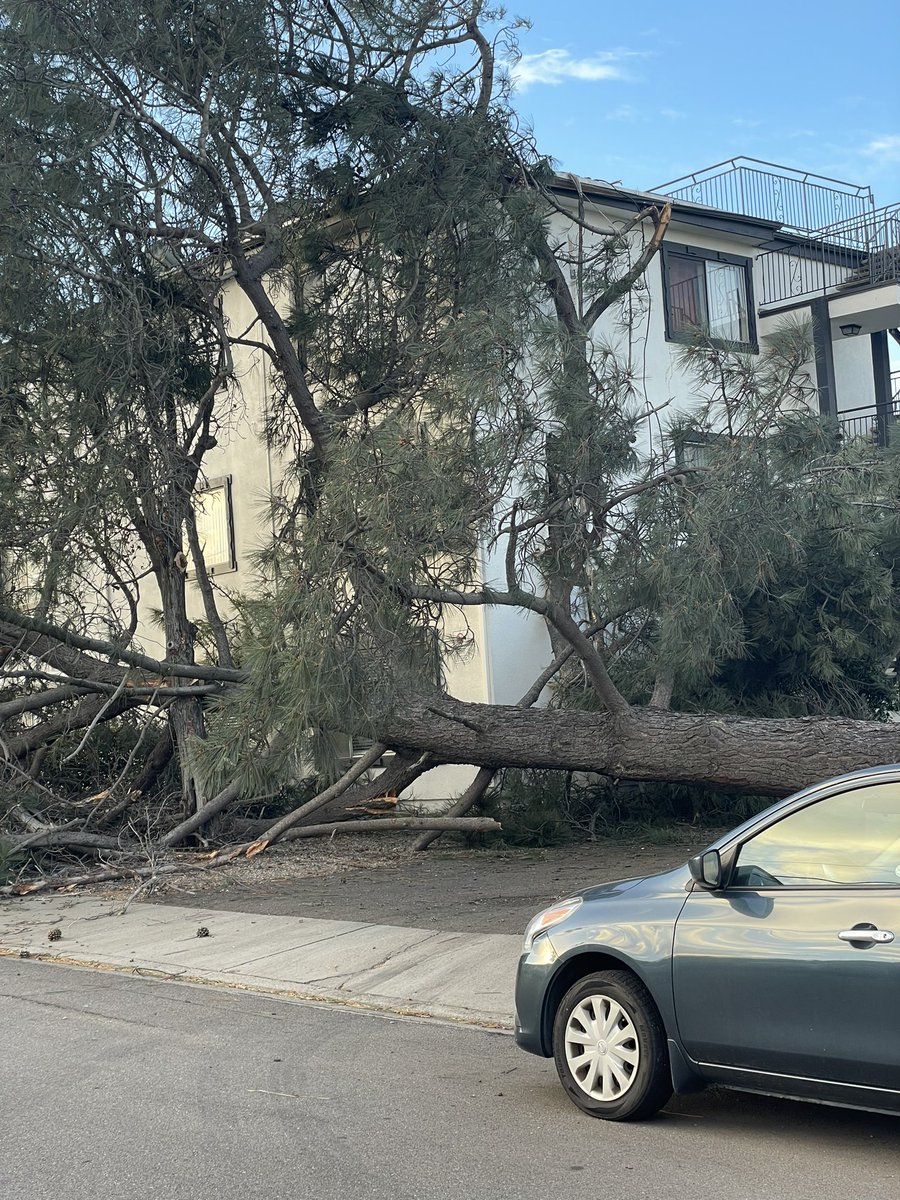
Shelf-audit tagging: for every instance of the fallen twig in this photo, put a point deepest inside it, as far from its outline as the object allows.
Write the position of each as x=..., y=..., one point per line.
x=227, y=854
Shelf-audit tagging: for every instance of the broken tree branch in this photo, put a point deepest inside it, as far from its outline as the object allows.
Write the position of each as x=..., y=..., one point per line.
x=276, y=831
x=230, y=853
x=624, y=285
x=467, y=800
x=78, y=641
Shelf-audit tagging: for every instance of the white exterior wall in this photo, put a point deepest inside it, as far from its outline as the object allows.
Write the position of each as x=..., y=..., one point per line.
x=242, y=454
x=502, y=650
x=854, y=379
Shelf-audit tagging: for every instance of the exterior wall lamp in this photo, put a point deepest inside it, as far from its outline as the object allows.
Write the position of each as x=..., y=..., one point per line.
x=851, y=330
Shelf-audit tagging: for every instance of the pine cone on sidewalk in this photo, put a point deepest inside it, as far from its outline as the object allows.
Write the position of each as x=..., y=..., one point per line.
x=202, y=931
x=54, y=935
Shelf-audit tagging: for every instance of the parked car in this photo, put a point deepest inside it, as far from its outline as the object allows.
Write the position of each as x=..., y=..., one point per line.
x=768, y=963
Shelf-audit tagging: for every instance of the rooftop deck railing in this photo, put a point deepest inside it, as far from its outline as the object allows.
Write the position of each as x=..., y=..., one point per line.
x=798, y=200
x=832, y=236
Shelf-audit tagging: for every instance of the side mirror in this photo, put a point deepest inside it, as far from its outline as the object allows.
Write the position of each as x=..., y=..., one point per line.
x=706, y=869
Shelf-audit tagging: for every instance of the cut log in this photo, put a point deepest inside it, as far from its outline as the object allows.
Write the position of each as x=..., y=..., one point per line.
x=380, y=824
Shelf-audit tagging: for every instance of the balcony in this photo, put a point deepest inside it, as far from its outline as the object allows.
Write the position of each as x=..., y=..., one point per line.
x=849, y=256
x=833, y=240
x=879, y=428
x=869, y=425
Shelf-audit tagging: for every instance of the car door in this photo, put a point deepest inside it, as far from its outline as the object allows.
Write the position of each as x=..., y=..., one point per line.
x=793, y=968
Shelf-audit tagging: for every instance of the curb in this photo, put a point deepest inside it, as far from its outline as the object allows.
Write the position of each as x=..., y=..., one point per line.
x=263, y=987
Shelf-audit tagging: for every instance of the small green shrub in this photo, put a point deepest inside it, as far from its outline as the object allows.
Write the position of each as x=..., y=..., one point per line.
x=550, y=808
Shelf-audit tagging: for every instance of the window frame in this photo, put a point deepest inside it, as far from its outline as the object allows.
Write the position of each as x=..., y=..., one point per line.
x=221, y=567
x=735, y=850
x=699, y=438
x=670, y=250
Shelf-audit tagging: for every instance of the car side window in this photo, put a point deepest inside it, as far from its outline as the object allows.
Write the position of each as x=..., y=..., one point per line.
x=849, y=839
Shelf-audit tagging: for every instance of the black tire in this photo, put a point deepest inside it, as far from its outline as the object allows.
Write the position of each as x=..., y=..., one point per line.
x=648, y=1083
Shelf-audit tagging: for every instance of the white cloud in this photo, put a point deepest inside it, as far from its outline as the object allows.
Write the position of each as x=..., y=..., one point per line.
x=886, y=148
x=556, y=66
x=622, y=112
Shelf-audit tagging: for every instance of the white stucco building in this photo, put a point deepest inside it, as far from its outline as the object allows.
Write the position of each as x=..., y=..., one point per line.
x=747, y=243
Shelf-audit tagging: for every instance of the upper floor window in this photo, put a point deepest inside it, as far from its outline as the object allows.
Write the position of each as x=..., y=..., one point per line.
x=215, y=526
x=708, y=293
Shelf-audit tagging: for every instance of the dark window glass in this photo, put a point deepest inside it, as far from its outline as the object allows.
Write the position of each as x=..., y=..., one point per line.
x=687, y=294
x=853, y=838
x=707, y=296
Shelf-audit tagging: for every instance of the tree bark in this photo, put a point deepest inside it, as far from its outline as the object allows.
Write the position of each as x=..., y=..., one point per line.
x=764, y=755
x=156, y=762
x=374, y=824
x=93, y=708
x=185, y=715
x=74, y=839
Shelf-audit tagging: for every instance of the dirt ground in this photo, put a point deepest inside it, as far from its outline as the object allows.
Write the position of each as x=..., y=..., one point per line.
x=379, y=878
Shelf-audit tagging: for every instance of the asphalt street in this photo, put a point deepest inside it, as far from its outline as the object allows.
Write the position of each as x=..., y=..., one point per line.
x=117, y=1086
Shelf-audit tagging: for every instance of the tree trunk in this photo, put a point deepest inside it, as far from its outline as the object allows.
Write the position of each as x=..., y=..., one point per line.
x=185, y=714
x=156, y=762
x=769, y=756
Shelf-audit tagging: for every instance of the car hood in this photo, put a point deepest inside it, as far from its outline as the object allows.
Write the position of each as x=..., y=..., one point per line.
x=665, y=881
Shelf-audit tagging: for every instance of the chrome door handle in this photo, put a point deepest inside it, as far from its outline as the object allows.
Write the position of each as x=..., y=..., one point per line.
x=866, y=935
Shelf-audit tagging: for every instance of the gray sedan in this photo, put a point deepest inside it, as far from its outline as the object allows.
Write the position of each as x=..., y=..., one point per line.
x=769, y=963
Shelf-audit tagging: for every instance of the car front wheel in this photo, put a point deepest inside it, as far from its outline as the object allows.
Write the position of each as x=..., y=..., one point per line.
x=610, y=1048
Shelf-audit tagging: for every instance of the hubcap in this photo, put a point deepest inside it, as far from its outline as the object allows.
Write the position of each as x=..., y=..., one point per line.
x=602, y=1048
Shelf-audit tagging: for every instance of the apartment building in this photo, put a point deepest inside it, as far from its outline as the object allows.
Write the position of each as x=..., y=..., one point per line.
x=748, y=243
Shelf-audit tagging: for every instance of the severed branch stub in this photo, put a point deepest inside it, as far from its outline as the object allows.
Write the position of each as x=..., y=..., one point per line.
x=439, y=712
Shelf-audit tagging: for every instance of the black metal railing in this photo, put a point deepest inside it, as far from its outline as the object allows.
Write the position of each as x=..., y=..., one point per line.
x=798, y=200
x=869, y=424
x=855, y=253
x=832, y=239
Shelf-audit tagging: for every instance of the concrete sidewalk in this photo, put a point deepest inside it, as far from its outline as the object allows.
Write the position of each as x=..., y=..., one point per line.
x=456, y=976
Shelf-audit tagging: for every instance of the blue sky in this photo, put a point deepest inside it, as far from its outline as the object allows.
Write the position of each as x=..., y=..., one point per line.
x=642, y=93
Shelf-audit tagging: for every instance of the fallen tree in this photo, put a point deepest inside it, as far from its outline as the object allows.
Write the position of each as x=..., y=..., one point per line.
x=443, y=335
x=762, y=755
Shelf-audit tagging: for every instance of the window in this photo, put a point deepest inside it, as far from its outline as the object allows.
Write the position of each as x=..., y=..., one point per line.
x=362, y=745
x=850, y=839
x=215, y=525
x=692, y=447
x=710, y=293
